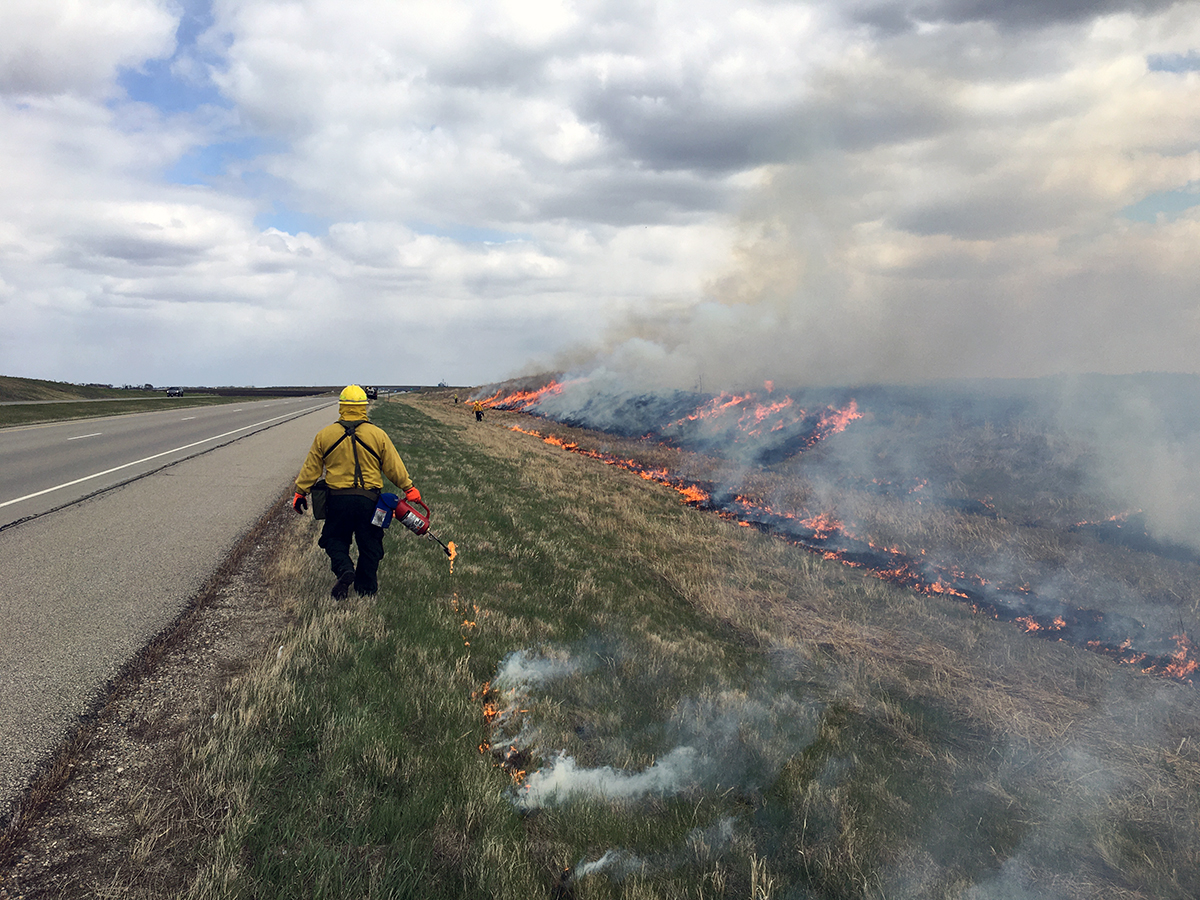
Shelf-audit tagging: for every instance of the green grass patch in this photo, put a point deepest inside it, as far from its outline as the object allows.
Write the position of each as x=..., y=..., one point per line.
x=698, y=711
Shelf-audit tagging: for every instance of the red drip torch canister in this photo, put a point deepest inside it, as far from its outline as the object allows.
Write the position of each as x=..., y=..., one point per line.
x=410, y=518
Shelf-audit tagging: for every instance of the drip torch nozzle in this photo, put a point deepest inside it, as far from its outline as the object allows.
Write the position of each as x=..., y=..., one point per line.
x=417, y=523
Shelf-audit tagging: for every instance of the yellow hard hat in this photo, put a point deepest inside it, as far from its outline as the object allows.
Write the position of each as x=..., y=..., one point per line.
x=353, y=394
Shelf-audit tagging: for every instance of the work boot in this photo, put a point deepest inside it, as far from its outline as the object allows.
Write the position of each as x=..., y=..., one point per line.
x=341, y=590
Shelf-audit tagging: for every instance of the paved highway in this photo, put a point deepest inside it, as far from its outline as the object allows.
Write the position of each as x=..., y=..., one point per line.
x=43, y=467
x=90, y=577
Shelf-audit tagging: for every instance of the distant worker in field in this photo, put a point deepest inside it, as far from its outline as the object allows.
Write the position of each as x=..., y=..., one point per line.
x=354, y=455
x=478, y=407
x=456, y=399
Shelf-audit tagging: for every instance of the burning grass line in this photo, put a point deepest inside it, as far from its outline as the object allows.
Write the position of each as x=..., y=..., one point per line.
x=520, y=400
x=1090, y=629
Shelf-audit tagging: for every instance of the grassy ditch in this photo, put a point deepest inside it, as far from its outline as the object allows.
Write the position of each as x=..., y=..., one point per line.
x=613, y=695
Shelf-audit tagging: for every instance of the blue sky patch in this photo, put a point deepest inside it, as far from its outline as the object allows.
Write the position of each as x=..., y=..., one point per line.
x=1174, y=62
x=156, y=84
x=1168, y=204
x=157, y=81
x=203, y=165
x=292, y=221
x=469, y=234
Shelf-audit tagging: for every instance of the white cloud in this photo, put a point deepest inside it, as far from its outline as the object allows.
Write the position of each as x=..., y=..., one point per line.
x=75, y=46
x=506, y=180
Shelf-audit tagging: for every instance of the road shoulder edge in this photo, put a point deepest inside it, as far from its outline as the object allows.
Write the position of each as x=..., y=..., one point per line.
x=69, y=830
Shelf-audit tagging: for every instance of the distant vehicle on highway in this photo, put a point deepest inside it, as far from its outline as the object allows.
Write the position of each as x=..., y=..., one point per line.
x=175, y=392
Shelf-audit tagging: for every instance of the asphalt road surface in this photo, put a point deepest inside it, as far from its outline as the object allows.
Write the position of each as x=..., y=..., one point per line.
x=89, y=578
x=43, y=467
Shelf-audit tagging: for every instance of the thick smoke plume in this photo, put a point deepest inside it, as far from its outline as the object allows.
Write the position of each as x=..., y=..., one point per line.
x=840, y=276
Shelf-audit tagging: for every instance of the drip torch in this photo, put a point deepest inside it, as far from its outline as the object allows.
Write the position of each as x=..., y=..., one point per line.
x=392, y=506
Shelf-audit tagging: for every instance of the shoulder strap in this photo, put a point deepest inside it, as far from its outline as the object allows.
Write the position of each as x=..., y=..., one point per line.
x=363, y=443
x=355, y=442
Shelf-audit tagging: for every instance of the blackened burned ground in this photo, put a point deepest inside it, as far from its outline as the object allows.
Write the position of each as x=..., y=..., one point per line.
x=1112, y=634
x=110, y=815
x=992, y=452
x=1132, y=532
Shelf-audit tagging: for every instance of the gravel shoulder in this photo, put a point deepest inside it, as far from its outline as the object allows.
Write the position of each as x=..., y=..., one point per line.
x=109, y=814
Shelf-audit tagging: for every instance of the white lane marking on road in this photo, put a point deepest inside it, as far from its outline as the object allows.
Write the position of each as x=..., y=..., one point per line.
x=80, y=437
x=187, y=418
x=215, y=437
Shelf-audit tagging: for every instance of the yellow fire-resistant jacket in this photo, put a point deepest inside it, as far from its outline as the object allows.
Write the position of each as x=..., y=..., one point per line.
x=338, y=466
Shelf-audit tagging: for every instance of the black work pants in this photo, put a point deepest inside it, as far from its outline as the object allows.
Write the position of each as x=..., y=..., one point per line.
x=348, y=516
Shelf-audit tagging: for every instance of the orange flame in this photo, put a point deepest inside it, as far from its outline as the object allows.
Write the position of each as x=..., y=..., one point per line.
x=521, y=400
x=717, y=406
x=835, y=420
x=1119, y=519
x=755, y=417
x=823, y=524
x=1184, y=661
x=691, y=493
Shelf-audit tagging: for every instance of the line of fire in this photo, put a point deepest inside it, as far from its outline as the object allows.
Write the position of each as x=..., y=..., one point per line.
x=1119, y=637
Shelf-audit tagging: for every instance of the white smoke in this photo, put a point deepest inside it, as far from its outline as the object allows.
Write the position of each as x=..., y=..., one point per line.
x=701, y=845
x=522, y=670
x=1148, y=449
x=1011, y=882
x=709, y=842
x=711, y=747
x=519, y=673
x=563, y=780
x=706, y=734
x=617, y=864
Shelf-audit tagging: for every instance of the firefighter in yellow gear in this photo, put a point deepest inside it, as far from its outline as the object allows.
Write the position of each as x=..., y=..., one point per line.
x=354, y=455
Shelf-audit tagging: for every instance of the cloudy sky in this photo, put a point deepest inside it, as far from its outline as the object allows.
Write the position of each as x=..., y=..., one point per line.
x=390, y=191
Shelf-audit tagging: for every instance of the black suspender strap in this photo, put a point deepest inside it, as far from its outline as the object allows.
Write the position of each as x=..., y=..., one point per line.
x=355, y=443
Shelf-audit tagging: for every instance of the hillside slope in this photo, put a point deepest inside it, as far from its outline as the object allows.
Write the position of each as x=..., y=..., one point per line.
x=12, y=388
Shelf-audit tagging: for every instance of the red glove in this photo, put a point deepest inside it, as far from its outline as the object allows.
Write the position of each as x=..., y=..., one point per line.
x=412, y=494
x=300, y=503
